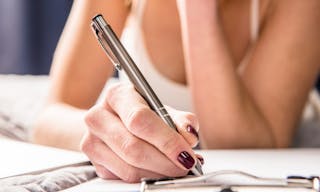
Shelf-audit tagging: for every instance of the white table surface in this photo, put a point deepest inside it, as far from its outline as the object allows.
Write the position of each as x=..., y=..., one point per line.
x=267, y=163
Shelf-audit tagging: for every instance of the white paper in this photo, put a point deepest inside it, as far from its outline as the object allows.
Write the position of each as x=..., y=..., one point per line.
x=18, y=157
x=100, y=185
x=262, y=163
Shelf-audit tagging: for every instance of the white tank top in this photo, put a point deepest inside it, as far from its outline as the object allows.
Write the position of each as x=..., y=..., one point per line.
x=170, y=93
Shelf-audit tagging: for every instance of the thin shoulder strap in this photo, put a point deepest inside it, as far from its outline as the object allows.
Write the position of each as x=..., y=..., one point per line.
x=138, y=9
x=254, y=20
x=254, y=31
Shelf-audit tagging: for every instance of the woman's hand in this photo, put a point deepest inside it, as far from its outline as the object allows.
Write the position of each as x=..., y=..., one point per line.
x=127, y=140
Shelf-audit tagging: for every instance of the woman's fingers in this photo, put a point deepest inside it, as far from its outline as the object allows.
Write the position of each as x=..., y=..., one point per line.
x=200, y=158
x=104, y=173
x=187, y=125
x=144, y=123
x=109, y=165
x=133, y=150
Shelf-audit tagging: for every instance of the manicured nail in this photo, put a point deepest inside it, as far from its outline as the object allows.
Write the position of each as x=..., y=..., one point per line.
x=201, y=160
x=193, y=131
x=186, y=159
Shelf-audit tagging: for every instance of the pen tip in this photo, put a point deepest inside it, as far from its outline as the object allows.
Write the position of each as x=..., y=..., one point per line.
x=197, y=169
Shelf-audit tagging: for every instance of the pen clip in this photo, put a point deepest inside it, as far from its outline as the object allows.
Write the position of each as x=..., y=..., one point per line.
x=99, y=35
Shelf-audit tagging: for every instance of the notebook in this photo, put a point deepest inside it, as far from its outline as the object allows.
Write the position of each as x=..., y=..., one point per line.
x=277, y=164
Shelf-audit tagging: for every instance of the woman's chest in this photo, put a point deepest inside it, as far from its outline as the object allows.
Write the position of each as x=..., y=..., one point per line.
x=162, y=34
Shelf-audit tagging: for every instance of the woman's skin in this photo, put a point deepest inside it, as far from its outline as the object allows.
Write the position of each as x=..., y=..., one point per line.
x=246, y=95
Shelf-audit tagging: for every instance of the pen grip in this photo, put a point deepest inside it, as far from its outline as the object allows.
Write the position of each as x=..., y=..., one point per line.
x=145, y=90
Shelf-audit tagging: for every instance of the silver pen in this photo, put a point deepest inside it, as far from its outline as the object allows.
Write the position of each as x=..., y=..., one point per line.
x=122, y=60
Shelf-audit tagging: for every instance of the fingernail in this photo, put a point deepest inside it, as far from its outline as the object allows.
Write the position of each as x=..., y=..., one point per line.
x=201, y=160
x=186, y=159
x=193, y=131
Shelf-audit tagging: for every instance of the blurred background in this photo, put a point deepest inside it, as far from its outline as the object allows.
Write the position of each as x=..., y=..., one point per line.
x=29, y=32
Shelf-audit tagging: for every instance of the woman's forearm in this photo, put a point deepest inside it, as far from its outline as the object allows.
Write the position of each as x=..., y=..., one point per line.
x=60, y=125
x=228, y=116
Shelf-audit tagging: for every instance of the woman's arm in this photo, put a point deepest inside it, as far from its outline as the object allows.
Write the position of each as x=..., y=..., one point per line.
x=261, y=106
x=78, y=74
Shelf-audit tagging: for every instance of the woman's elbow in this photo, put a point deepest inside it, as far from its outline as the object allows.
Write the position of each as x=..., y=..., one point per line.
x=38, y=133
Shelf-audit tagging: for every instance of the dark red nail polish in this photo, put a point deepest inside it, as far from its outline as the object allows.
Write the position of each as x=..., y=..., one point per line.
x=201, y=160
x=193, y=131
x=186, y=159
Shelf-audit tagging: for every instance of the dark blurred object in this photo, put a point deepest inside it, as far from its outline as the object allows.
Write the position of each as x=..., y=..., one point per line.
x=318, y=84
x=29, y=32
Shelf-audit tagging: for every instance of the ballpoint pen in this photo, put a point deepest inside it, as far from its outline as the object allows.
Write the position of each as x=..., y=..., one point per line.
x=122, y=60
